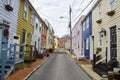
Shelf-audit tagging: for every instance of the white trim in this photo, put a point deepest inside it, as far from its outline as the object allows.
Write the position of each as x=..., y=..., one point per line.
x=26, y=8
x=108, y=54
x=91, y=47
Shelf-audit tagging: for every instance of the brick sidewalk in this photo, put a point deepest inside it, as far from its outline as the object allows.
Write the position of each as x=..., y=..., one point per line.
x=21, y=74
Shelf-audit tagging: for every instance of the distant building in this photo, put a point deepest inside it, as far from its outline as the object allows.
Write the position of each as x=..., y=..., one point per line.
x=49, y=36
x=55, y=42
x=43, y=36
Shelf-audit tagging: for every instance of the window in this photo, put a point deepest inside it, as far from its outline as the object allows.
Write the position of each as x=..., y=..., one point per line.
x=36, y=26
x=25, y=11
x=99, y=11
x=39, y=29
x=87, y=22
x=32, y=18
x=99, y=40
x=84, y=26
x=111, y=4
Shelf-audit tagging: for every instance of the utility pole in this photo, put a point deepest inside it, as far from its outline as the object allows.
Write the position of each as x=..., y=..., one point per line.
x=70, y=10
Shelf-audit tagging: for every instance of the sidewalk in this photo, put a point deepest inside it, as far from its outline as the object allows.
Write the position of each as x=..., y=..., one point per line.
x=22, y=74
x=86, y=65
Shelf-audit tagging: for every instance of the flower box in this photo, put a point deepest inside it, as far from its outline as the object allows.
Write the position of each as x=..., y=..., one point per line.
x=111, y=13
x=8, y=7
x=99, y=21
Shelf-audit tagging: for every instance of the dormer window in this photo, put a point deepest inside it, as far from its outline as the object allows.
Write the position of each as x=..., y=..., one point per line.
x=9, y=5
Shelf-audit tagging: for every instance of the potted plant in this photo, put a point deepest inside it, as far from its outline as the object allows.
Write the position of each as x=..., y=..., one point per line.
x=97, y=51
x=113, y=63
x=111, y=13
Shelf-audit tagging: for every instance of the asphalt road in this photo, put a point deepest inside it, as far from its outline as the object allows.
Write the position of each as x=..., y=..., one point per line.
x=59, y=67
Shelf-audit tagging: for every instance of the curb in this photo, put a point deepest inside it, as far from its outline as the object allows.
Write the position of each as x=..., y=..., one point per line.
x=35, y=69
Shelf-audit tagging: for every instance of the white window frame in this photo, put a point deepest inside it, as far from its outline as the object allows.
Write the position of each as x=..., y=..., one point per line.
x=25, y=15
x=87, y=22
x=84, y=26
x=87, y=42
x=33, y=19
x=99, y=11
x=111, y=4
x=36, y=26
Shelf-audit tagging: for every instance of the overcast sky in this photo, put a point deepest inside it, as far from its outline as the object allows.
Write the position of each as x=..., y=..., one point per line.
x=52, y=10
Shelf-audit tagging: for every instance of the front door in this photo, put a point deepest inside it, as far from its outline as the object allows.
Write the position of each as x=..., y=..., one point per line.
x=113, y=42
x=4, y=34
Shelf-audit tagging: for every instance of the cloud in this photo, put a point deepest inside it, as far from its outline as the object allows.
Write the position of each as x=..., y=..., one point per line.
x=52, y=10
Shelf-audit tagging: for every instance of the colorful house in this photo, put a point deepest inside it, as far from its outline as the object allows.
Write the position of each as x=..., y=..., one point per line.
x=55, y=43
x=49, y=37
x=77, y=38
x=67, y=43
x=106, y=29
x=106, y=34
x=86, y=34
x=26, y=24
x=8, y=22
x=43, y=36
x=37, y=32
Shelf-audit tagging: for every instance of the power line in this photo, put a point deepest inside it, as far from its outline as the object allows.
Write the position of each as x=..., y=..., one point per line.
x=73, y=3
x=51, y=18
x=78, y=7
x=84, y=10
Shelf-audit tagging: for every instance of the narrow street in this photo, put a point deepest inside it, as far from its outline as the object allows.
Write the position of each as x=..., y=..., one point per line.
x=59, y=66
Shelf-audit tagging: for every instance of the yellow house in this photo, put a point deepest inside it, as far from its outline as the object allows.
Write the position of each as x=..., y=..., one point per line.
x=26, y=23
x=50, y=36
x=106, y=29
x=55, y=42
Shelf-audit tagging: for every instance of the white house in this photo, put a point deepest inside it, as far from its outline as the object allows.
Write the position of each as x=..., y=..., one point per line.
x=37, y=32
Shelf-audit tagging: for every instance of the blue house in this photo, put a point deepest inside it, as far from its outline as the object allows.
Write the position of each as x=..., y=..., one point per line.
x=86, y=32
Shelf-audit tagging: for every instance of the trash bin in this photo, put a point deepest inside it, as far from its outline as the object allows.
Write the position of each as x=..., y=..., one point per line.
x=47, y=55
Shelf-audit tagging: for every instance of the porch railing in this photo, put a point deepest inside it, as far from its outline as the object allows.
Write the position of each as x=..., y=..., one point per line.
x=12, y=56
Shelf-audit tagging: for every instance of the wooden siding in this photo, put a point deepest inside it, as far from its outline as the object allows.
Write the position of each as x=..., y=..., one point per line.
x=37, y=33
x=25, y=24
x=107, y=22
x=86, y=35
x=11, y=17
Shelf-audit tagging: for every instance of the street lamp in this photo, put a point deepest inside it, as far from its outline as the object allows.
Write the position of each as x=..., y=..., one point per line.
x=70, y=10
